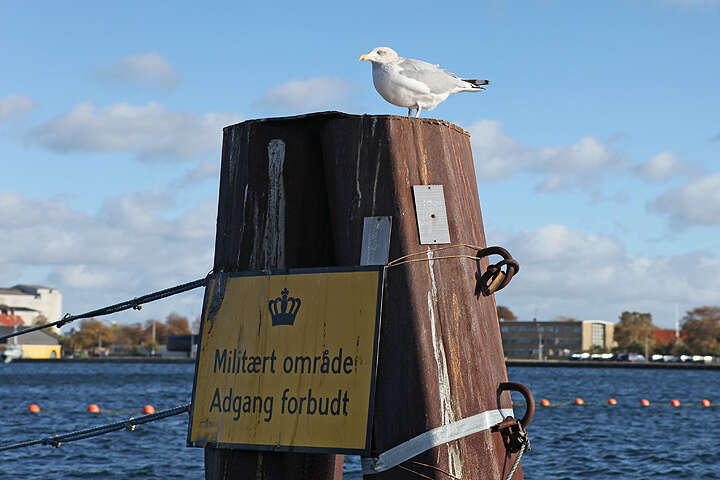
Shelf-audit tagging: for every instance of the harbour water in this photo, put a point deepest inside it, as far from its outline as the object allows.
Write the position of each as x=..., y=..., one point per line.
x=595, y=441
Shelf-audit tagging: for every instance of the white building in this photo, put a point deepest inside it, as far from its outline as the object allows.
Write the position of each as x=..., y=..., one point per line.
x=31, y=301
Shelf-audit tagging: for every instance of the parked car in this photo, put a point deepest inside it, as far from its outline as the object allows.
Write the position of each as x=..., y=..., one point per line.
x=580, y=356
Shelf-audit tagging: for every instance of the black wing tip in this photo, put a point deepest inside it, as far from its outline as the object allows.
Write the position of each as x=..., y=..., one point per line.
x=476, y=83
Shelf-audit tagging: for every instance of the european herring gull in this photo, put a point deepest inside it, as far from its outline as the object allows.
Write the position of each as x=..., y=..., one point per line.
x=415, y=84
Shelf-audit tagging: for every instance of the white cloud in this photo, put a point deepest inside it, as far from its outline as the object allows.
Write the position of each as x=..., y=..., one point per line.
x=83, y=276
x=696, y=202
x=204, y=171
x=144, y=70
x=568, y=272
x=499, y=156
x=319, y=93
x=580, y=163
x=132, y=246
x=138, y=212
x=152, y=132
x=13, y=105
x=662, y=167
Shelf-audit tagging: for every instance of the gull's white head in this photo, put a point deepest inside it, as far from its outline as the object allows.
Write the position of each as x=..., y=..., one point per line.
x=381, y=55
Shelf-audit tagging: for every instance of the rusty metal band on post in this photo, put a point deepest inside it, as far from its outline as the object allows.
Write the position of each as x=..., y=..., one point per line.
x=433, y=438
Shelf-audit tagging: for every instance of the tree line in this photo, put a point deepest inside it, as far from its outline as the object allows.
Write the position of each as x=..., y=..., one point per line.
x=699, y=333
x=96, y=337
x=635, y=332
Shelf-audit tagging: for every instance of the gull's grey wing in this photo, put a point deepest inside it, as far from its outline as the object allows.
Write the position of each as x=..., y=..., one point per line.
x=437, y=79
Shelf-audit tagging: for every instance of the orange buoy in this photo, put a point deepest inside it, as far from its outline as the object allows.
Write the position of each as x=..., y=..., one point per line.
x=148, y=409
x=645, y=402
x=545, y=402
x=675, y=403
x=612, y=401
x=34, y=408
x=93, y=408
x=579, y=401
x=705, y=402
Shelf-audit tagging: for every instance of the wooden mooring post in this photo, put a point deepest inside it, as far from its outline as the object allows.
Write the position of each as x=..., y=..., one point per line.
x=294, y=193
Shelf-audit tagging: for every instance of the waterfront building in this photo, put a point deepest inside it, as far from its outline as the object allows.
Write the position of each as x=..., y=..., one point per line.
x=554, y=339
x=30, y=302
x=38, y=344
x=597, y=333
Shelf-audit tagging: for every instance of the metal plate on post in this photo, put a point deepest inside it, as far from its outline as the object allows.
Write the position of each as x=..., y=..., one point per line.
x=431, y=214
x=376, y=241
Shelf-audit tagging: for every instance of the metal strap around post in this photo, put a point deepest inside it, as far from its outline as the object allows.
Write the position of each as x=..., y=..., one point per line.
x=432, y=438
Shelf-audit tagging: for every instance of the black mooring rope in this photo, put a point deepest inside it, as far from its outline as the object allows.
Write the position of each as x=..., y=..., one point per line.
x=135, y=303
x=128, y=424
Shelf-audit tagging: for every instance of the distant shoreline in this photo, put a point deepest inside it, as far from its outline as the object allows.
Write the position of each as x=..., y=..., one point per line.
x=106, y=360
x=611, y=364
x=509, y=363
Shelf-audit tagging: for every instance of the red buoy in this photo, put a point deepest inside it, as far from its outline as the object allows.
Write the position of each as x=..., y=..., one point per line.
x=148, y=409
x=579, y=401
x=545, y=402
x=612, y=401
x=34, y=408
x=705, y=402
x=93, y=408
x=675, y=403
x=645, y=402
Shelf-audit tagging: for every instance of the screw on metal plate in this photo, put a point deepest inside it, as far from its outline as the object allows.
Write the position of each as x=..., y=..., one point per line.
x=431, y=214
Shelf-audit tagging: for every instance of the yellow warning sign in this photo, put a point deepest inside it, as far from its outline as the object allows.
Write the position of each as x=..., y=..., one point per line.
x=287, y=361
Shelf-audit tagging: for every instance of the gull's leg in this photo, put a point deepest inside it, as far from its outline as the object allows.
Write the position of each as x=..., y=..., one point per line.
x=419, y=108
x=410, y=110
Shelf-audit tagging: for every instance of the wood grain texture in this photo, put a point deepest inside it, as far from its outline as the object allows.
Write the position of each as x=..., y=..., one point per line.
x=440, y=356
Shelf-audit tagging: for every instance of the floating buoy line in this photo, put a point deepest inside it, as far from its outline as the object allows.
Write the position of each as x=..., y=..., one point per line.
x=644, y=402
x=94, y=408
x=149, y=409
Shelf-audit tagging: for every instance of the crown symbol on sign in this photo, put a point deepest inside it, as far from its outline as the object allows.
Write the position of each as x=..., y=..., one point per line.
x=283, y=310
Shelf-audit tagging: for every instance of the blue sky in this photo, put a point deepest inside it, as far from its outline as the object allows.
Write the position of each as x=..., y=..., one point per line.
x=596, y=146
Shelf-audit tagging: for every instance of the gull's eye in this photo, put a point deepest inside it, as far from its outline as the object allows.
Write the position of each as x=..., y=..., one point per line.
x=381, y=52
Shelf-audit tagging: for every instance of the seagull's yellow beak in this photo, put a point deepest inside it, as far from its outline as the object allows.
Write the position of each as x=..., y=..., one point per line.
x=363, y=58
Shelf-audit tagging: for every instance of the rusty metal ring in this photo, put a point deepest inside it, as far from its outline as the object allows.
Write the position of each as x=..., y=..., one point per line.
x=486, y=252
x=489, y=278
x=529, y=399
x=495, y=279
x=511, y=268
